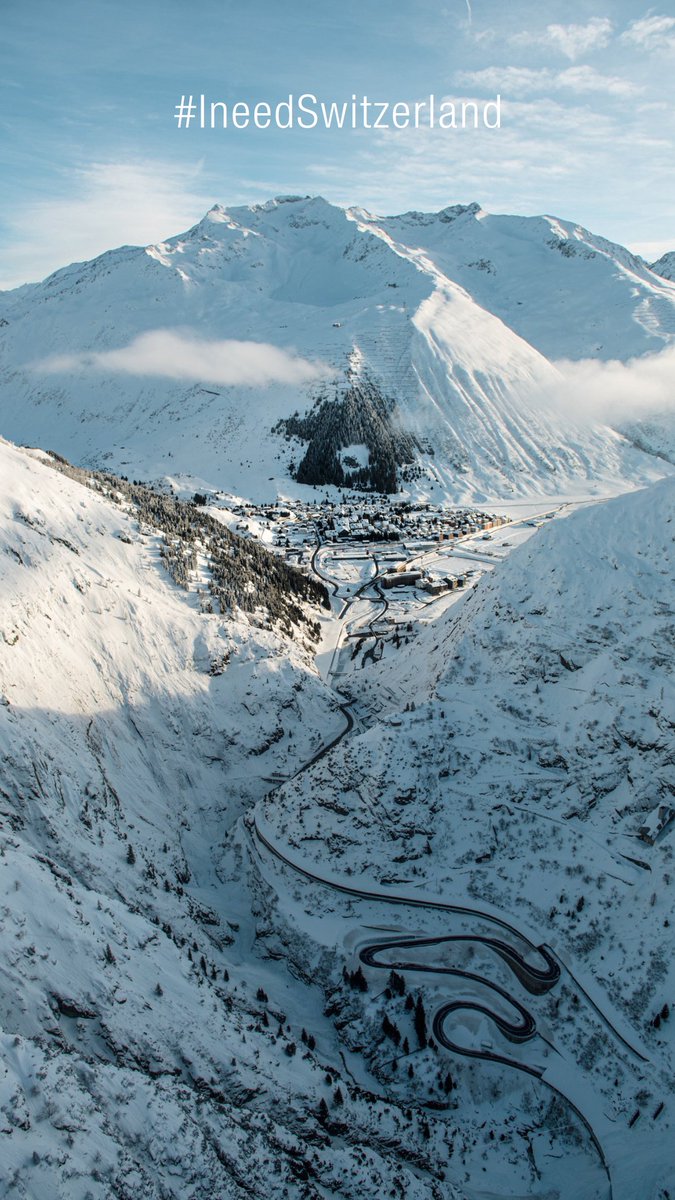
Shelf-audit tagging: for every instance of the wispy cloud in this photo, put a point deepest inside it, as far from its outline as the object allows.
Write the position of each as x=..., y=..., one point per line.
x=561, y=154
x=614, y=392
x=168, y=354
x=571, y=40
x=526, y=81
x=105, y=204
x=651, y=33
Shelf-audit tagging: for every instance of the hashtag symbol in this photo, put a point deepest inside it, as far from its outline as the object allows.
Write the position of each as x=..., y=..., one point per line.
x=186, y=112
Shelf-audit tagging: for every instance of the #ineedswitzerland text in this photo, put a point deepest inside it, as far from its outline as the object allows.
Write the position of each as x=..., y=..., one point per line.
x=307, y=111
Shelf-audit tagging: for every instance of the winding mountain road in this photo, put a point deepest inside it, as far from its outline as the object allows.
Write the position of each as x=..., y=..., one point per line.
x=535, y=979
x=536, y=966
x=522, y=1031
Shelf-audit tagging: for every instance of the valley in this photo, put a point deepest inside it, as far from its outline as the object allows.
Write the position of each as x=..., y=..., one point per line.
x=478, y=993
x=327, y=877
x=336, y=716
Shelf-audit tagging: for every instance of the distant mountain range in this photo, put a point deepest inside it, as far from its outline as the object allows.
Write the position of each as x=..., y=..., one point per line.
x=415, y=351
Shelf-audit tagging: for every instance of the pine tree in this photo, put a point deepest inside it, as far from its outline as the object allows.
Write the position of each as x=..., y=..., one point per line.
x=359, y=980
x=396, y=984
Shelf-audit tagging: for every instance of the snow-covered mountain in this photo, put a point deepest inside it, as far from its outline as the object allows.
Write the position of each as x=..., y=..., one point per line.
x=530, y=780
x=564, y=290
x=665, y=266
x=182, y=1013
x=437, y=329
x=532, y=672
x=150, y=1045
x=209, y=854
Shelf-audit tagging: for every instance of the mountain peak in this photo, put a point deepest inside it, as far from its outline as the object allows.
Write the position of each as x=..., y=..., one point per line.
x=456, y=317
x=665, y=266
x=276, y=201
x=453, y=211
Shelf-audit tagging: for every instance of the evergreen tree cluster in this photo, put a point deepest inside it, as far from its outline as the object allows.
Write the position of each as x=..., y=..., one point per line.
x=243, y=574
x=356, y=979
x=356, y=415
x=179, y=559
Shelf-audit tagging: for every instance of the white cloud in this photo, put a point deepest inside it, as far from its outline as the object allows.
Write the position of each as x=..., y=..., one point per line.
x=108, y=204
x=651, y=33
x=168, y=354
x=571, y=40
x=652, y=251
x=586, y=79
x=525, y=81
x=614, y=392
x=549, y=156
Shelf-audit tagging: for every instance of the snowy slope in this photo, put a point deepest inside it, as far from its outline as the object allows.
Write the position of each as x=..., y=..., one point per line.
x=665, y=267
x=140, y=1054
x=532, y=669
x=157, y=1048
x=654, y=434
x=354, y=298
x=566, y=291
x=540, y=742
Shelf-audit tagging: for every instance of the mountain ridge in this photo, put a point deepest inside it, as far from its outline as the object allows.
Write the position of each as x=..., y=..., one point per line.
x=665, y=266
x=454, y=315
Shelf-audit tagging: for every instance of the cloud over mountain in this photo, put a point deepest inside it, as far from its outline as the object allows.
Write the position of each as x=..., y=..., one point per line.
x=168, y=354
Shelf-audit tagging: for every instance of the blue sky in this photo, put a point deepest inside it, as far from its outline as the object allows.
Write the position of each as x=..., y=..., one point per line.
x=90, y=155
